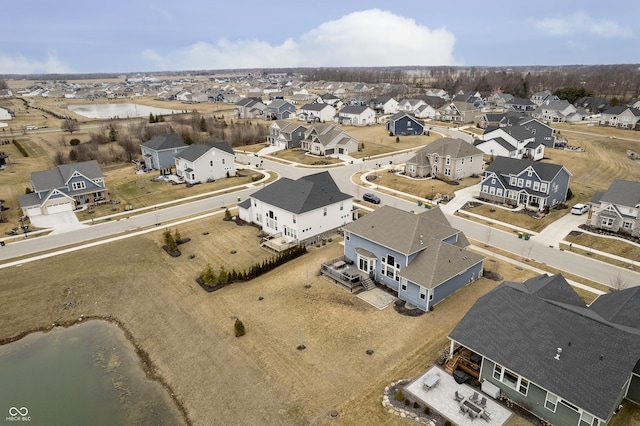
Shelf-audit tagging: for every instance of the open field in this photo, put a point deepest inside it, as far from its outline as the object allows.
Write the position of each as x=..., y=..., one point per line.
x=188, y=334
x=615, y=246
x=377, y=141
x=298, y=156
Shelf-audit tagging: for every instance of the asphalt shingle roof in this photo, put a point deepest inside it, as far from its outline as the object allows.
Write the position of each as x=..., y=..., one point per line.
x=195, y=151
x=60, y=175
x=622, y=192
x=522, y=325
x=453, y=147
x=513, y=166
x=302, y=195
x=168, y=141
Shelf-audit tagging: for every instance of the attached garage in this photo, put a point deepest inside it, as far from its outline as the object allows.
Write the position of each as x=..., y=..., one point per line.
x=63, y=206
x=33, y=211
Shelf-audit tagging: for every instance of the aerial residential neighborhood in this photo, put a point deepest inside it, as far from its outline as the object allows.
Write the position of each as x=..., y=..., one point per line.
x=393, y=253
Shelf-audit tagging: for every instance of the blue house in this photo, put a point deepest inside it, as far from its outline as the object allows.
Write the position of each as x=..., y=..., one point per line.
x=158, y=153
x=279, y=110
x=63, y=188
x=539, y=345
x=420, y=256
x=403, y=123
x=525, y=182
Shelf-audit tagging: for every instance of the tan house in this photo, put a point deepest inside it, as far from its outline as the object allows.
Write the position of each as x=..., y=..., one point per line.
x=446, y=158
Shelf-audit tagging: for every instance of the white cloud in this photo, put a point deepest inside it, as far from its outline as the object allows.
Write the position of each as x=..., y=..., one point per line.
x=581, y=23
x=366, y=38
x=21, y=65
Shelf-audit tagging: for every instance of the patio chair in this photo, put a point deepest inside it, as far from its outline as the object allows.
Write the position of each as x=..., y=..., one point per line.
x=459, y=397
x=463, y=409
x=485, y=415
x=472, y=414
x=474, y=397
x=483, y=402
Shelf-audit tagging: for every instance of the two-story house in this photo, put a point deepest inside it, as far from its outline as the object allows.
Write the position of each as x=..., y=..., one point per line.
x=510, y=141
x=618, y=208
x=317, y=112
x=529, y=183
x=64, y=188
x=404, y=123
x=158, y=153
x=328, y=140
x=384, y=105
x=205, y=162
x=623, y=117
x=356, y=115
x=449, y=158
x=285, y=134
x=459, y=112
x=420, y=256
x=249, y=108
x=279, y=109
x=298, y=210
x=539, y=345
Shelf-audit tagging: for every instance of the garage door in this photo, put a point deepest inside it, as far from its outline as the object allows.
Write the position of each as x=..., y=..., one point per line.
x=33, y=211
x=60, y=207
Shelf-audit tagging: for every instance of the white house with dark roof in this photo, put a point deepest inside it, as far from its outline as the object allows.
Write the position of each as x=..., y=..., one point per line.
x=449, y=158
x=529, y=183
x=621, y=116
x=510, y=141
x=420, y=256
x=158, y=153
x=538, y=344
x=617, y=209
x=205, y=162
x=316, y=112
x=356, y=115
x=298, y=210
x=63, y=188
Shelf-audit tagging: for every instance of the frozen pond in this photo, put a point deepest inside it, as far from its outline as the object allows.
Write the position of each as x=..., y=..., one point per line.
x=125, y=110
x=81, y=375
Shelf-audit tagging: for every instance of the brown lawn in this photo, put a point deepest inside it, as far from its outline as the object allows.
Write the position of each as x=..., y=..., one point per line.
x=260, y=378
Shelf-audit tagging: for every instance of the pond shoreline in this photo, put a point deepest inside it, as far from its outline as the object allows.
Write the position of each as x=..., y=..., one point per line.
x=144, y=360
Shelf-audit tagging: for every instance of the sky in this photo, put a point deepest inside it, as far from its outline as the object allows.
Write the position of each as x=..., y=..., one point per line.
x=73, y=36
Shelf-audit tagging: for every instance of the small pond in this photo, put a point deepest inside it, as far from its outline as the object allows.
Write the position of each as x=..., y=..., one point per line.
x=124, y=110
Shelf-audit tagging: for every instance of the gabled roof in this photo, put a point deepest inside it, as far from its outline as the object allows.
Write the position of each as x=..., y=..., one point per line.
x=620, y=307
x=166, y=141
x=59, y=176
x=195, y=151
x=302, y=195
x=354, y=109
x=402, y=114
x=500, y=141
x=453, y=147
x=315, y=107
x=438, y=262
x=514, y=166
x=402, y=231
x=522, y=325
x=622, y=192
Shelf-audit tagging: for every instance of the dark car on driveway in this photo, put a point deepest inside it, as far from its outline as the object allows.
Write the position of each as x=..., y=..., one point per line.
x=371, y=198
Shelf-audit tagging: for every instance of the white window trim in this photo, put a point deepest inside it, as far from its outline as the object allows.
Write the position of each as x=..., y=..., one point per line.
x=553, y=401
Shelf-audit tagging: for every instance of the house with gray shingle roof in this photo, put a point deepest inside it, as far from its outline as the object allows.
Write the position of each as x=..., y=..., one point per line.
x=420, y=256
x=299, y=210
x=279, y=109
x=446, y=158
x=205, y=162
x=356, y=115
x=317, y=112
x=328, y=140
x=510, y=141
x=404, y=123
x=286, y=134
x=621, y=116
x=158, y=153
x=544, y=349
x=64, y=188
x=618, y=208
x=532, y=184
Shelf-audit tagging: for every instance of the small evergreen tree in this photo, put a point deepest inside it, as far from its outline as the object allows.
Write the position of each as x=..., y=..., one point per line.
x=113, y=134
x=177, y=237
x=223, y=277
x=227, y=214
x=203, y=124
x=238, y=327
x=152, y=119
x=169, y=240
x=208, y=276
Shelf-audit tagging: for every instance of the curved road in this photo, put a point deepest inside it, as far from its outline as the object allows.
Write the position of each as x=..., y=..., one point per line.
x=591, y=269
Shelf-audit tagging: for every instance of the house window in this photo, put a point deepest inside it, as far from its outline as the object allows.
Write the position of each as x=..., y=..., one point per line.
x=627, y=225
x=423, y=293
x=520, y=182
x=294, y=218
x=485, y=188
x=586, y=419
x=363, y=264
x=404, y=286
x=223, y=161
x=536, y=186
x=523, y=388
x=211, y=163
x=341, y=206
x=447, y=160
x=497, y=372
x=499, y=192
x=607, y=222
x=493, y=181
x=510, y=379
x=543, y=187
x=528, y=184
x=512, y=181
x=258, y=217
x=447, y=171
x=324, y=211
x=551, y=402
x=470, y=159
x=78, y=185
x=529, y=173
x=462, y=161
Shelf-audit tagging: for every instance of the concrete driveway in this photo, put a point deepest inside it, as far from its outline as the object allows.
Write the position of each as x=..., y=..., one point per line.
x=556, y=231
x=57, y=222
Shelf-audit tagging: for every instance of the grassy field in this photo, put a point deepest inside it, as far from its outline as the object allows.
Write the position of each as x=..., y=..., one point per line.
x=518, y=219
x=616, y=246
x=260, y=378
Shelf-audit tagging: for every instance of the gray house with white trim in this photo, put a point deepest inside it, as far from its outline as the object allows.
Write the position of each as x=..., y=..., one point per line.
x=420, y=256
x=548, y=352
x=617, y=209
x=532, y=184
x=158, y=153
x=63, y=188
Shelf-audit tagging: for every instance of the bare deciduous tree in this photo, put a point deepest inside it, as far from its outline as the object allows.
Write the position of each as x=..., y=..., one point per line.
x=69, y=125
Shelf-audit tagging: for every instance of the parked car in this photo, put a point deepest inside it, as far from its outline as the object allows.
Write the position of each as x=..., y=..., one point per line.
x=579, y=209
x=371, y=198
